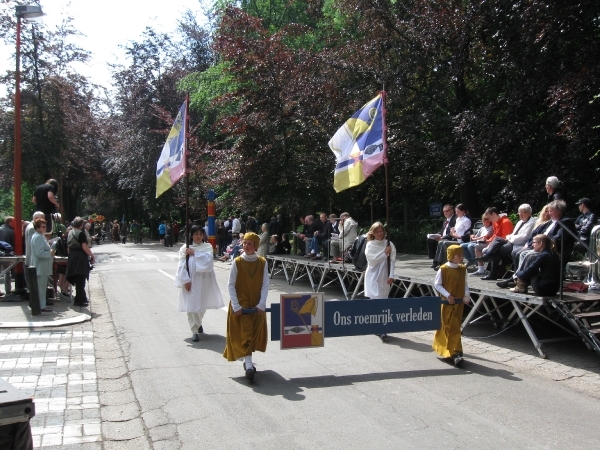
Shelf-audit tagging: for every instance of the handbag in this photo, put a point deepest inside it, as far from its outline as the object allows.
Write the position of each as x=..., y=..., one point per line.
x=576, y=286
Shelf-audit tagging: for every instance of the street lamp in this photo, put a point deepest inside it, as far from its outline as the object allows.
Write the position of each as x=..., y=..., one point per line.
x=22, y=12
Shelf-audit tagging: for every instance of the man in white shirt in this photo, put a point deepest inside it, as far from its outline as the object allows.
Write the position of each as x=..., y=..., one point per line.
x=504, y=248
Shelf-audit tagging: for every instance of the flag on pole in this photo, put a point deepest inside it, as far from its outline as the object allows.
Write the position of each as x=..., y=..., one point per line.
x=358, y=146
x=171, y=164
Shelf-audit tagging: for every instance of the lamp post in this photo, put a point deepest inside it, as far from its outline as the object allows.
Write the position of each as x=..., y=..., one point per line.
x=22, y=12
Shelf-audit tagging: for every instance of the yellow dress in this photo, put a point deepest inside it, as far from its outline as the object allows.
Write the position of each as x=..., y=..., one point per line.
x=248, y=332
x=447, y=341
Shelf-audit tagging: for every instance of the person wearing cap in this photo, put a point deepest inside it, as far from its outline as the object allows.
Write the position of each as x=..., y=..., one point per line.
x=196, y=279
x=248, y=287
x=451, y=283
x=584, y=223
x=554, y=189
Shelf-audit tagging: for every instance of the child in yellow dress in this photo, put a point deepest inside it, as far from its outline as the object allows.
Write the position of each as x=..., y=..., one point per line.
x=451, y=283
x=248, y=288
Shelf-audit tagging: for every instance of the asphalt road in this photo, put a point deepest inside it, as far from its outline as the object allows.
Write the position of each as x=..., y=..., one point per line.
x=356, y=392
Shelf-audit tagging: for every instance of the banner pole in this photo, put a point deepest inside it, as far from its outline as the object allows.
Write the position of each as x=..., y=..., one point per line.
x=187, y=179
x=385, y=165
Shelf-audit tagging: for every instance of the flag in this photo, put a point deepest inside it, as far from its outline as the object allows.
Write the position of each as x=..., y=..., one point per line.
x=171, y=164
x=358, y=146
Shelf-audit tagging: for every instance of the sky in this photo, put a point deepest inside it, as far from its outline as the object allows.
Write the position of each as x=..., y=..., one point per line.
x=107, y=24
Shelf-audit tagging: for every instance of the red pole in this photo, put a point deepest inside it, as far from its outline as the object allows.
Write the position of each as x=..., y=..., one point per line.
x=17, y=156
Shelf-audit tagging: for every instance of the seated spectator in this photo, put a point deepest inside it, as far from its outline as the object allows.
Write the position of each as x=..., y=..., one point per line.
x=503, y=247
x=502, y=228
x=584, y=224
x=521, y=256
x=347, y=229
x=543, y=274
x=233, y=250
x=460, y=230
x=485, y=232
x=322, y=233
x=444, y=233
x=329, y=233
x=299, y=237
x=285, y=244
x=562, y=239
x=273, y=241
x=311, y=229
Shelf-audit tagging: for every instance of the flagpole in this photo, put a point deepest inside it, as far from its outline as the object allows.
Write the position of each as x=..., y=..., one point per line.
x=385, y=165
x=187, y=179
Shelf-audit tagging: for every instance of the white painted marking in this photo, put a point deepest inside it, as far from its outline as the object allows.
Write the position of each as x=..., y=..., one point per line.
x=224, y=308
x=167, y=274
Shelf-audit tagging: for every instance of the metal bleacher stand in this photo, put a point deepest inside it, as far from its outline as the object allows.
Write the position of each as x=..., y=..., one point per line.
x=582, y=311
x=574, y=314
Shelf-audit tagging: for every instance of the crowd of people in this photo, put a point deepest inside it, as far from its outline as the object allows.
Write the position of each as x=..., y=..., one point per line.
x=518, y=255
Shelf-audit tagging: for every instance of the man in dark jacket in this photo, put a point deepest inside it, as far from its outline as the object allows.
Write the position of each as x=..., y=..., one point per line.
x=449, y=222
x=584, y=223
x=46, y=202
x=560, y=237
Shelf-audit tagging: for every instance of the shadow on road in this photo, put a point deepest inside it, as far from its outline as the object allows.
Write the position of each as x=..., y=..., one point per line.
x=272, y=384
x=213, y=342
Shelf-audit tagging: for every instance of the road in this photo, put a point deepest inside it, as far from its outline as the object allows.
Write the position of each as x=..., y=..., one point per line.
x=356, y=392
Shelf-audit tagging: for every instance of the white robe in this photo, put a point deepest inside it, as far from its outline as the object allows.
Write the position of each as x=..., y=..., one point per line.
x=205, y=293
x=377, y=273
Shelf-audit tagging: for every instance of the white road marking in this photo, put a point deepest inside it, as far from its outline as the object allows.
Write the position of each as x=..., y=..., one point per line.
x=224, y=308
x=167, y=274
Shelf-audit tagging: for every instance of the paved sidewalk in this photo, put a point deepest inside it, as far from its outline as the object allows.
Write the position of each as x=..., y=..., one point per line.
x=57, y=368
x=76, y=375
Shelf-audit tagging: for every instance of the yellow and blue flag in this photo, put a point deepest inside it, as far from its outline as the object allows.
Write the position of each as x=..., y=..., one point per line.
x=171, y=164
x=358, y=146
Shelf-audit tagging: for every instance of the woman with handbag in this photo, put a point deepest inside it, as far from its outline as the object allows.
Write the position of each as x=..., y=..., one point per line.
x=80, y=258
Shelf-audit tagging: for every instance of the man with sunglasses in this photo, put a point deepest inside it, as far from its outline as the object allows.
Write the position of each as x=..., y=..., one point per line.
x=433, y=239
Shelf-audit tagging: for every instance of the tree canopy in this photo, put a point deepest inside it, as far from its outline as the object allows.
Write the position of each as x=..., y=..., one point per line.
x=485, y=101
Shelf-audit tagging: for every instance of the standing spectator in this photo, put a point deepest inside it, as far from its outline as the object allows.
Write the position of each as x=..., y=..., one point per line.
x=42, y=259
x=176, y=231
x=45, y=200
x=7, y=234
x=116, y=237
x=169, y=236
x=80, y=257
x=236, y=226
x=251, y=224
x=124, y=232
x=554, y=189
x=248, y=287
x=273, y=226
x=162, y=231
x=379, y=275
x=451, y=283
x=263, y=243
x=221, y=237
x=28, y=234
x=7, y=231
x=86, y=228
x=584, y=223
x=196, y=279
x=135, y=230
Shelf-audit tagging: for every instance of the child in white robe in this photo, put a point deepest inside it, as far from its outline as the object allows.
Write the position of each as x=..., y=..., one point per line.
x=378, y=276
x=196, y=279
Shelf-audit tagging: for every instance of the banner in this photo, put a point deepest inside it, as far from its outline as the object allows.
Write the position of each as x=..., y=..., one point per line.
x=171, y=164
x=358, y=146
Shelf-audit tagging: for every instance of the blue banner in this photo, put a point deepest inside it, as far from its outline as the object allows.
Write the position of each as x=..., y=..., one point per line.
x=376, y=316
